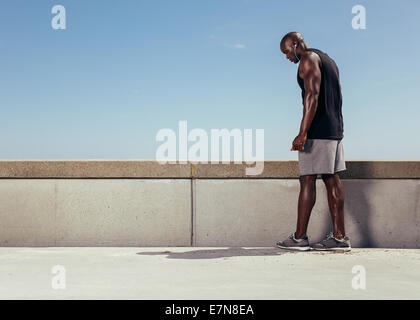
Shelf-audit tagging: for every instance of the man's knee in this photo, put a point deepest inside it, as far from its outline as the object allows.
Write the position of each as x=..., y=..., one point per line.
x=327, y=176
x=308, y=179
x=333, y=185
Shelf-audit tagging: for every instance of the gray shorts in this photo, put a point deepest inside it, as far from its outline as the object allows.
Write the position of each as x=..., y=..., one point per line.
x=321, y=156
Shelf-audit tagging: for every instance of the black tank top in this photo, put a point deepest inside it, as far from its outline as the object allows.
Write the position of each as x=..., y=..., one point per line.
x=328, y=119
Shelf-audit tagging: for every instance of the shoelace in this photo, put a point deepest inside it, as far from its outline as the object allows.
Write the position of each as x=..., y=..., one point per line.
x=328, y=236
x=331, y=236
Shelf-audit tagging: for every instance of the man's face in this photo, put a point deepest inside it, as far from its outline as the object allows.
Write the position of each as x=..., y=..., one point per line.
x=287, y=48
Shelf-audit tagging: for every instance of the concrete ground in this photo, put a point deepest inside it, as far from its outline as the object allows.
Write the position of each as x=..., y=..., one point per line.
x=206, y=273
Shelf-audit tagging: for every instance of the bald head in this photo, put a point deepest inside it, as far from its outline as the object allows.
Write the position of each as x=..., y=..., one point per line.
x=293, y=45
x=294, y=37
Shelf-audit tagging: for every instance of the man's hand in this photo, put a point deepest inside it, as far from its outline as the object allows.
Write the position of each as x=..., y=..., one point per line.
x=299, y=142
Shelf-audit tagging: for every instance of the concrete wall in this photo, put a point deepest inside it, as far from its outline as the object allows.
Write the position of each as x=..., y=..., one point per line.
x=378, y=213
x=134, y=203
x=95, y=212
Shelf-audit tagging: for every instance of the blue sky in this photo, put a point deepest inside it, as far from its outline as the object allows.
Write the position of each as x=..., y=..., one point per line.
x=122, y=70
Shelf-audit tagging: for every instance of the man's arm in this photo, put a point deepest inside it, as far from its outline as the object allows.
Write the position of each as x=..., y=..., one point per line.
x=310, y=72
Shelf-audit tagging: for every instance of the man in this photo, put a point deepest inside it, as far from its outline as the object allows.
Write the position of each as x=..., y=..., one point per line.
x=318, y=143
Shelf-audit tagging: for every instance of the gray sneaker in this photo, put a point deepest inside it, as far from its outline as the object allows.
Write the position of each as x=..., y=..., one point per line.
x=332, y=244
x=292, y=243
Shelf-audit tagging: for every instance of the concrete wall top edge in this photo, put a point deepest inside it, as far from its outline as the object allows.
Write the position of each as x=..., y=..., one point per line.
x=273, y=169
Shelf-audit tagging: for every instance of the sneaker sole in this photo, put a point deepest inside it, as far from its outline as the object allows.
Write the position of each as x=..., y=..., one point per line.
x=332, y=249
x=294, y=248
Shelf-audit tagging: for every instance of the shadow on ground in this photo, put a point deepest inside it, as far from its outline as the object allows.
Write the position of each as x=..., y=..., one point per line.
x=226, y=253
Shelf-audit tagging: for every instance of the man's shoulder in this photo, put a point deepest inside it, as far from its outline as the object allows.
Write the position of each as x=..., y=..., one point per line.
x=309, y=61
x=310, y=56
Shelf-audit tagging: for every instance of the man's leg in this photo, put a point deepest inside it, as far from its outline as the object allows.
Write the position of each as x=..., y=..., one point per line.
x=335, y=194
x=307, y=198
